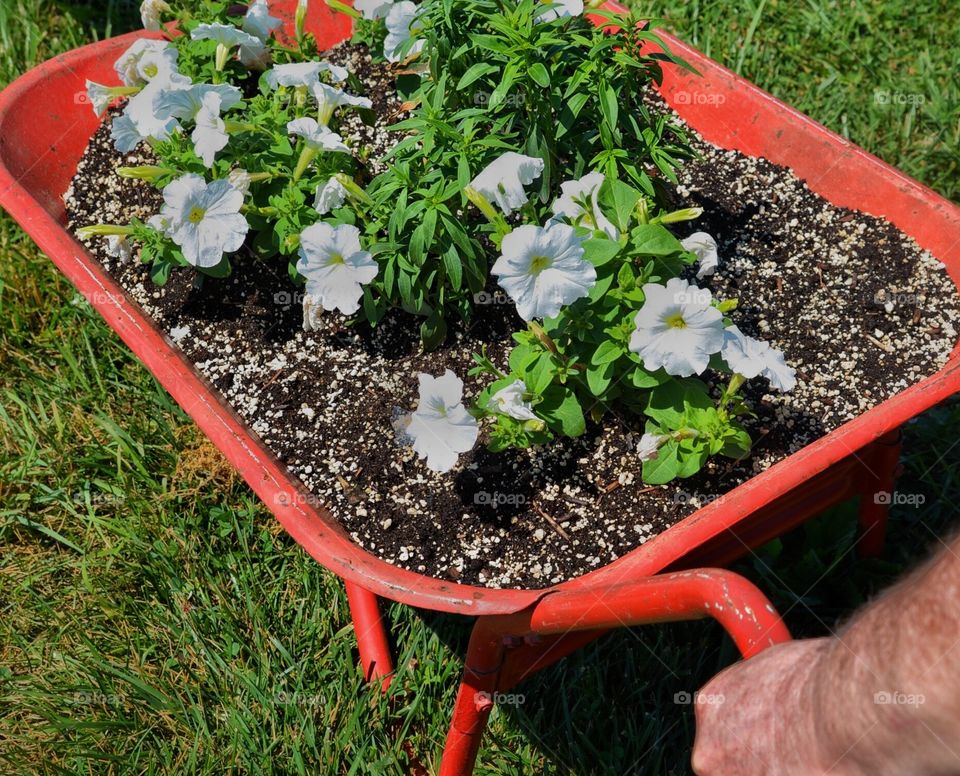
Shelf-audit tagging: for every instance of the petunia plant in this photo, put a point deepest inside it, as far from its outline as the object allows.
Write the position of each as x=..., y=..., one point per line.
x=526, y=157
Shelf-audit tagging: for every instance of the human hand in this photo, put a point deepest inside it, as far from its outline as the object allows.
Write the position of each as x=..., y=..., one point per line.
x=759, y=717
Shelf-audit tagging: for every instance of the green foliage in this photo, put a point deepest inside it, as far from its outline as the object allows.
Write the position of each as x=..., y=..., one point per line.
x=497, y=80
x=579, y=364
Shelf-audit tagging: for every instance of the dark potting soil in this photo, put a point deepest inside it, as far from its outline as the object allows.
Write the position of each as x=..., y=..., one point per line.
x=858, y=308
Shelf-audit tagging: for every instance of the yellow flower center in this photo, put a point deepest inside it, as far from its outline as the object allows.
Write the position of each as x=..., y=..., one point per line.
x=196, y=215
x=151, y=70
x=337, y=258
x=676, y=321
x=539, y=263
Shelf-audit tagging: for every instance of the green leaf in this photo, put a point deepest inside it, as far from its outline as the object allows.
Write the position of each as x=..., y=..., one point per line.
x=451, y=262
x=433, y=331
x=476, y=71
x=561, y=410
x=599, y=378
x=539, y=74
x=541, y=373
x=641, y=378
x=736, y=443
x=599, y=250
x=654, y=240
x=664, y=467
x=609, y=106
x=670, y=403
x=607, y=352
x=620, y=198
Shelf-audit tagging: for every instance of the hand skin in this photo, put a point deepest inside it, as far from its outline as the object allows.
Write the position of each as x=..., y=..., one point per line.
x=880, y=698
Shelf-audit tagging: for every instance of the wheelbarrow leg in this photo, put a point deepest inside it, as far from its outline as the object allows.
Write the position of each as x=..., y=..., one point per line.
x=375, y=657
x=475, y=699
x=881, y=466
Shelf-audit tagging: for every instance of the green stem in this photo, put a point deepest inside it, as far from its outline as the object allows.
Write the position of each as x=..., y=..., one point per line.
x=104, y=230
x=307, y=155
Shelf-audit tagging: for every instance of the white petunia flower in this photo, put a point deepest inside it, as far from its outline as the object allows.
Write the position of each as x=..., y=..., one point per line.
x=255, y=56
x=329, y=98
x=561, y=9
x=677, y=328
x=373, y=9
x=401, y=22
x=186, y=103
x=304, y=74
x=146, y=60
x=240, y=180
x=705, y=248
x=317, y=135
x=124, y=133
x=203, y=218
x=751, y=358
x=335, y=265
x=141, y=119
x=578, y=201
x=150, y=12
x=258, y=22
x=224, y=34
x=502, y=180
x=441, y=428
x=312, y=313
x=649, y=446
x=100, y=96
x=161, y=67
x=161, y=223
x=543, y=269
x=509, y=401
x=251, y=49
x=118, y=246
x=330, y=195
x=210, y=134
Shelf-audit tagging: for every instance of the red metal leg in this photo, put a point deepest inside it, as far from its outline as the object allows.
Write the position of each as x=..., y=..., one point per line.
x=740, y=607
x=371, y=634
x=881, y=464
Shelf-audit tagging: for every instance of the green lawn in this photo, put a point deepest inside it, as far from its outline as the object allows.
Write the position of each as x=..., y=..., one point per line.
x=154, y=619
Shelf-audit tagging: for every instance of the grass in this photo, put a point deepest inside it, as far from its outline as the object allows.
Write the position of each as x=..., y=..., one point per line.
x=154, y=619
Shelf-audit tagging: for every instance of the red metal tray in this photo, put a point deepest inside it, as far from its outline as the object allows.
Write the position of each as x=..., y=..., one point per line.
x=45, y=124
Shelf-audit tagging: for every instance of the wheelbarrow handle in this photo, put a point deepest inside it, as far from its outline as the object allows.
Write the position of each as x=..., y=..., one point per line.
x=734, y=602
x=737, y=604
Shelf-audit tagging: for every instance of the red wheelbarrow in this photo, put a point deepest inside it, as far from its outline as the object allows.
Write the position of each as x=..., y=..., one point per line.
x=44, y=127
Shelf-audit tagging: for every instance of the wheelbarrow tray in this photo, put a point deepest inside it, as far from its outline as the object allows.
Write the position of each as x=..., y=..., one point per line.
x=46, y=123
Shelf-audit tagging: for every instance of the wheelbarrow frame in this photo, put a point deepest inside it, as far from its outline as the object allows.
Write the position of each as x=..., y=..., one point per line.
x=45, y=124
